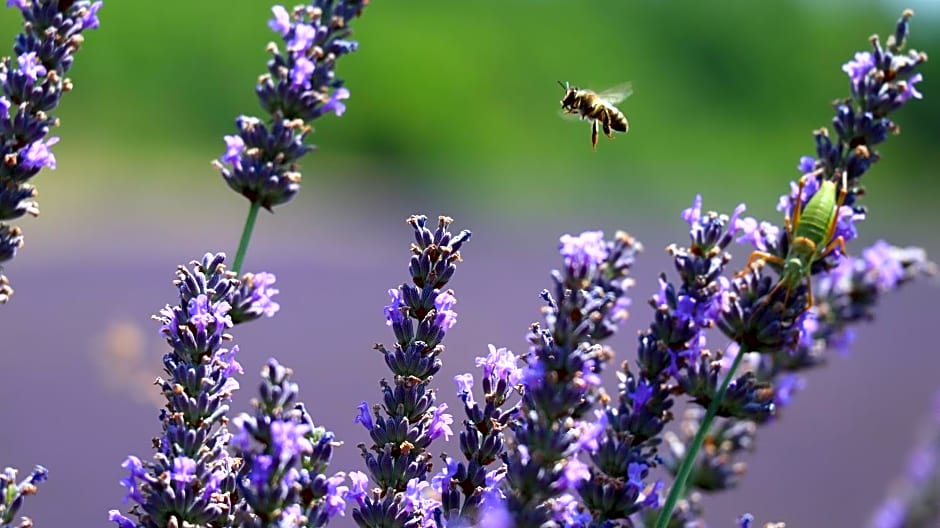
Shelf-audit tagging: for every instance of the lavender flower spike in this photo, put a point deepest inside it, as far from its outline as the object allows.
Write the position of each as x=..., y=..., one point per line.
x=791, y=326
x=586, y=305
x=261, y=160
x=420, y=314
x=284, y=457
x=470, y=491
x=32, y=86
x=191, y=478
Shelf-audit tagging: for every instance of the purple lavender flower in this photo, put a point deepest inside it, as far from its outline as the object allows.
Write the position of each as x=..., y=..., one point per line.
x=560, y=382
x=191, y=478
x=261, y=160
x=285, y=457
x=502, y=364
x=440, y=423
x=583, y=253
x=848, y=293
x=335, y=104
x=254, y=298
x=882, y=81
x=364, y=417
x=482, y=444
x=771, y=316
x=807, y=164
x=420, y=314
x=32, y=87
x=859, y=67
x=281, y=21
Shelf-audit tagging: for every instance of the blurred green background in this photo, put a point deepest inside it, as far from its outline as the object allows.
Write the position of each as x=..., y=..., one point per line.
x=461, y=98
x=454, y=110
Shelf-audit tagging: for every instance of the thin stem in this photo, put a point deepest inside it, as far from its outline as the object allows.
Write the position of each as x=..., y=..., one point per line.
x=246, y=236
x=678, y=486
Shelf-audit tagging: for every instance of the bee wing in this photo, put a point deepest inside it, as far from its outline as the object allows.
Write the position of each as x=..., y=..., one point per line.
x=617, y=93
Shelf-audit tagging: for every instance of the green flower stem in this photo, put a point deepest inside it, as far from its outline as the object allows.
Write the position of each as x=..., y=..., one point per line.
x=246, y=236
x=678, y=486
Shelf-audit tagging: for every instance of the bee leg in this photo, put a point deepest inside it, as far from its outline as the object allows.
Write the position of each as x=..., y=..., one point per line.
x=594, y=134
x=607, y=131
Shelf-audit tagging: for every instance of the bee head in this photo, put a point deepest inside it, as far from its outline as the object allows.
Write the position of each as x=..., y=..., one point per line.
x=570, y=92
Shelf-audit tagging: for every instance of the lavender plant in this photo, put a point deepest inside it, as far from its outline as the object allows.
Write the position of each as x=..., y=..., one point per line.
x=271, y=473
x=261, y=161
x=282, y=481
x=420, y=314
x=546, y=446
x=561, y=382
x=760, y=315
x=32, y=86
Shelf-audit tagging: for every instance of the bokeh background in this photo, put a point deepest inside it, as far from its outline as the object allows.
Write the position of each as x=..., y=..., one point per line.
x=453, y=111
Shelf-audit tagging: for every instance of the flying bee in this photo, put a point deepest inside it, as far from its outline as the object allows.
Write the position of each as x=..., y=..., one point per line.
x=598, y=107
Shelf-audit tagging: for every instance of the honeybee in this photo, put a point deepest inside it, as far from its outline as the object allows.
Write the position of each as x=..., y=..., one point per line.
x=598, y=107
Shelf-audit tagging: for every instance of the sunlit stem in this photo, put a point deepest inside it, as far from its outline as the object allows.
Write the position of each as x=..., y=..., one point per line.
x=678, y=486
x=246, y=236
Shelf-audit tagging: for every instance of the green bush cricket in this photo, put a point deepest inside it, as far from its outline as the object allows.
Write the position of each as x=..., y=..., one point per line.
x=809, y=233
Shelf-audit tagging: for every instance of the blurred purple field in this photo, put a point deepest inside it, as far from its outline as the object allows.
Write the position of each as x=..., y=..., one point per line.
x=80, y=351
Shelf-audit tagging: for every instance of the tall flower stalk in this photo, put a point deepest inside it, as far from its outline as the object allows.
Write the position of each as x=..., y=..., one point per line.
x=556, y=419
x=403, y=426
x=282, y=480
x=261, y=160
x=471, y=493
x=33, y=84
x=191, y=478
x=272, y=472
x=760, y=311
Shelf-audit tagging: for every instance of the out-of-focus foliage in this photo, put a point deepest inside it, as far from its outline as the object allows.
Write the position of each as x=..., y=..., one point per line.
x=466, y=92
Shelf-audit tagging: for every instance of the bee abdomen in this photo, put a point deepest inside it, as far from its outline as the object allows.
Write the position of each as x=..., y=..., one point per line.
x=618, y=122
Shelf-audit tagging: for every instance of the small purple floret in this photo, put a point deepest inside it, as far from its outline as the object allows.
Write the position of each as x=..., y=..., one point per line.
x=586, y=250
x=440, y=423
x=364, y=417
x=359, y=487
x=909, y=90
x=289, y=439
x=116, y=517
x=301, y=72
x=807, y=164
x=304, y=35
x=859, y=67
x=444, y=304
x=261, y=295
x=184, y=470
x=335, y=104
x=336, y=495
x=90, y=20
x=234, y=146
x=30, y=66
x=38, y=155
x=281, y=21
x=393, y=313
